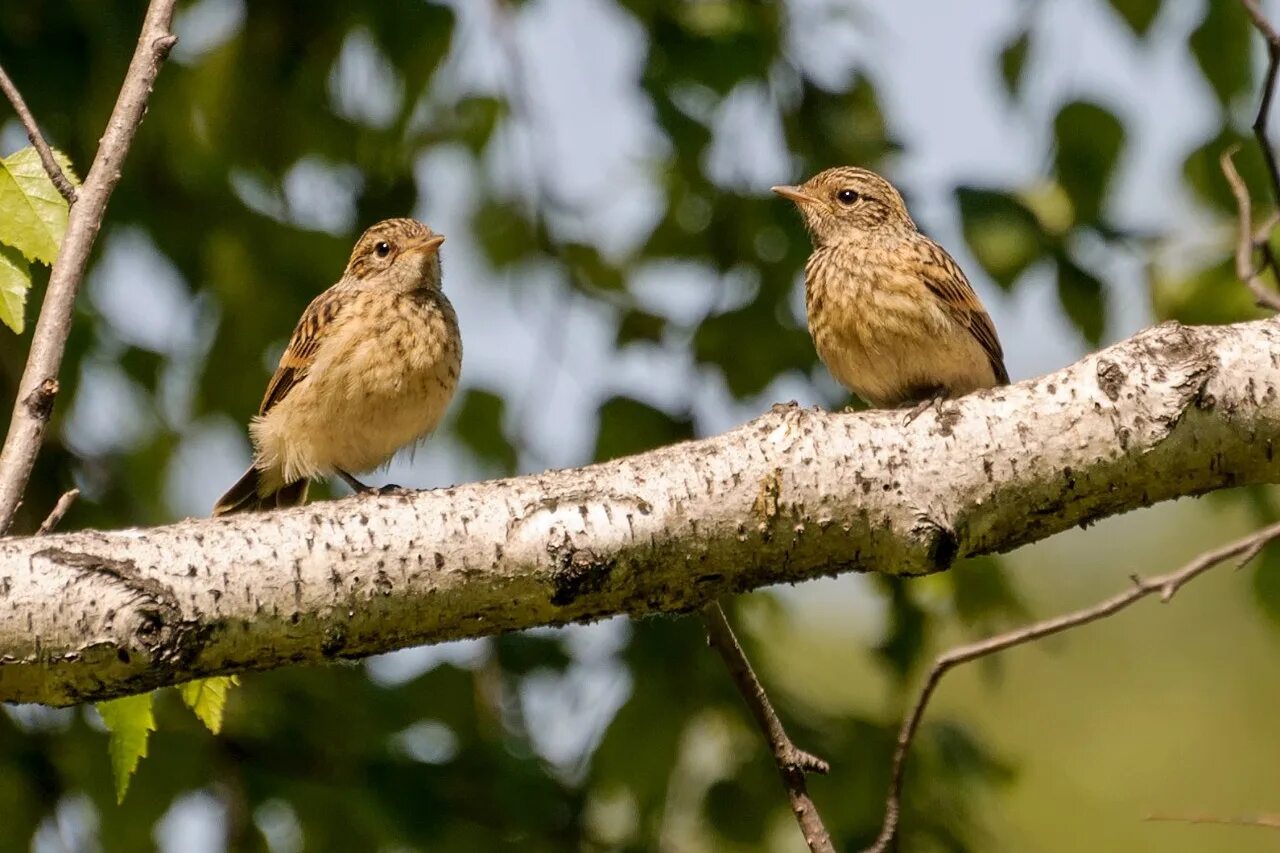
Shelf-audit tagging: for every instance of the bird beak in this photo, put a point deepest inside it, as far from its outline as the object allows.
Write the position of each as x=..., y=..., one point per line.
x=795, y=194
x=429, y=246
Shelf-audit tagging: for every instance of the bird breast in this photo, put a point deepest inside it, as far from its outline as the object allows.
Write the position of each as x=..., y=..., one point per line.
x=381, y=380
x=882, y=333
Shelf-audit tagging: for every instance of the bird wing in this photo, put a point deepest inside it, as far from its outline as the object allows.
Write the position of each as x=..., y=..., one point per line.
x=301, y=352
x=945, y=279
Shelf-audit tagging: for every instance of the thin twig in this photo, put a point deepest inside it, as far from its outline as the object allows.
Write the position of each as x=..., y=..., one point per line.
x=59, y=510
x=793, y=763
x=48, y=343
x=1272, y=38
x=1166, y=585
x=1262, y=821
x=1247, y=242
x=37, y=139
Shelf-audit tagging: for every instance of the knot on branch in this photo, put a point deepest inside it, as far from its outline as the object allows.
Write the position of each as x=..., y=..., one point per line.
x=577, y=572
x=40, y=401
x=157, y=628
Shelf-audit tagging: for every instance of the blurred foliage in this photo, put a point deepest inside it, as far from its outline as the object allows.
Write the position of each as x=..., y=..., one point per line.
x=454, y=757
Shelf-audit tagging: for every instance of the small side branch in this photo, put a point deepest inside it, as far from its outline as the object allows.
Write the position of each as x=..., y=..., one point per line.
x=1248, y=242
x=58, y=512
x=793, y=763
x=37, y=139
x=1263, y=26
x=1166, y=585
x=1259, y=821
x=28, y=423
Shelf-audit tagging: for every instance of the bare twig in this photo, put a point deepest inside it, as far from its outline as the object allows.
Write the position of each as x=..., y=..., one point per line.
x=59, y=510
x=1261, y=821
x=1272, y=38
x=1166, y=585
x=793, y=763
x=37, y=139
x=1248, y=241
x=48, y=343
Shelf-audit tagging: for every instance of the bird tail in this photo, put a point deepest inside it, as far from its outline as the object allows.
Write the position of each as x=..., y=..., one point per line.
x=246, y=496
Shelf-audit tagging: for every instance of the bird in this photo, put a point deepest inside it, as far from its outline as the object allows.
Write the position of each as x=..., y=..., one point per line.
x=891, y=314
x=370, y=368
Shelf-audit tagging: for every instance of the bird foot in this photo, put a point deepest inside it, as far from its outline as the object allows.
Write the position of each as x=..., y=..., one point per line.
x=365, y=489
x=934, y=402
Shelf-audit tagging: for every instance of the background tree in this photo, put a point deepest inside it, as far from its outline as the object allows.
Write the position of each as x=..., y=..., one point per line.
x=624, y=280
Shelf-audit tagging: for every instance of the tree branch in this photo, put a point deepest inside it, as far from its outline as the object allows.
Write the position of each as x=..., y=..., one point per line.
x=48, y=343
x=1272, y=38
x=793, y=763
x=1167, y=585
x=792, y=495
x=51, y=166
x=1249, y=241
x=1259, y=821
x=58, y=512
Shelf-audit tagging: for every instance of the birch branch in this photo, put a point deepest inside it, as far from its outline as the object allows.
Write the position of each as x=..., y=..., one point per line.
x=795, y=494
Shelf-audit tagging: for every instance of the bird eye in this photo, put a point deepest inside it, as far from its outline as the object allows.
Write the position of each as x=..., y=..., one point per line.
x=382, y=249
x=847, y=196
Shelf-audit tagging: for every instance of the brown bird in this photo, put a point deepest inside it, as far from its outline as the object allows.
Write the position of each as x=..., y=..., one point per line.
x=370, y=369
x=891, y=314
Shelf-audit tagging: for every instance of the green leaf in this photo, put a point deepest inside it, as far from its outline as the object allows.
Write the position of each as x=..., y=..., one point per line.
x=15, y=281
x=33, y=214
x=1203, y=170
x=727, y=341
x=1221, y=48
x=479, y=426
x=638, y=325
x=130, y=720
x=1138, y=14
x=506, y=235
x=724, y=805
x=588, y=269
x=1211, y=295
x=1012, y=60
x=1088, y=140
x=1082, y=297
x=985, y=598
x=628, y=426
x=207, y=698
x=1002, y=233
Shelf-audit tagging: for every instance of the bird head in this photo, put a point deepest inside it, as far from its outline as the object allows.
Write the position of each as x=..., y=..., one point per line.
x=849, y=205
x=398, y=254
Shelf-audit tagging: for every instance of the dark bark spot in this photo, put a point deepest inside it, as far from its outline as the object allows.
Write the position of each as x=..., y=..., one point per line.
x=577, y=572
x=1110, y=378
x=40, y=401
x=947, y=420
x=943, y=548
x=335, y=640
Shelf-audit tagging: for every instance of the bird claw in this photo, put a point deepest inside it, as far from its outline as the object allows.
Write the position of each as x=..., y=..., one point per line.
x=390, y=489
x=923, y=406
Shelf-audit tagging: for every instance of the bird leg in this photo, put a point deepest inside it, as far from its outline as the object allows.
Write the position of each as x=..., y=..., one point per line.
x=931, y=401
x=356, y=485
x=363, y=489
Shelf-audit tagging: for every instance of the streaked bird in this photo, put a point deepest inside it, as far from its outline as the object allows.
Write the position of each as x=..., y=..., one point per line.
x=891, y=313
x=370, y=369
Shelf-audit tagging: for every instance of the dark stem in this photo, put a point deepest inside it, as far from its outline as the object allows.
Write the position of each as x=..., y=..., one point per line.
x=793, y=763
x=1166, y=585
x=37, y=139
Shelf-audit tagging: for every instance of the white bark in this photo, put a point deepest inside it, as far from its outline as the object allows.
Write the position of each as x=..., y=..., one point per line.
x=792, y=495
